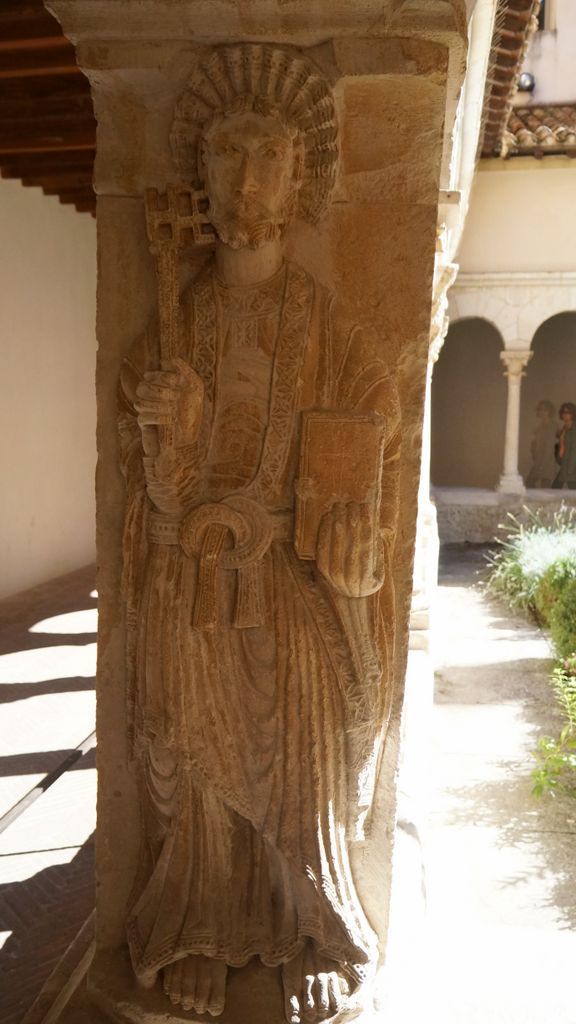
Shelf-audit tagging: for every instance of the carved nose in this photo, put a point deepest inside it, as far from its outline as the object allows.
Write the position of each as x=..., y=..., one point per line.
x=247, y=184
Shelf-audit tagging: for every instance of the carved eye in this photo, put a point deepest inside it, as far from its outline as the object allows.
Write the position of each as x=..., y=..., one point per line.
x=227, y=149
x=272, y=153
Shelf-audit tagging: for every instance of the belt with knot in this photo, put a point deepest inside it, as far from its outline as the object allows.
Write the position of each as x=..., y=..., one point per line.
x=203, y=533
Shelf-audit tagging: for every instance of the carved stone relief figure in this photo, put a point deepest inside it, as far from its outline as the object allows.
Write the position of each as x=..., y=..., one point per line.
x=261, y=462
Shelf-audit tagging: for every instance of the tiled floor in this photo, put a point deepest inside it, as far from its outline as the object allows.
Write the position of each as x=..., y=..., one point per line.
x=47, y=787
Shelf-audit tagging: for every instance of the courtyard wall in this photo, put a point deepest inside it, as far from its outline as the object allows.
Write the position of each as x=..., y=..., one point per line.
x=47, y=395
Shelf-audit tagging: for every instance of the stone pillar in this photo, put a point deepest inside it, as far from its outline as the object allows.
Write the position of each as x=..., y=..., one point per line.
x=426, y=554
x=382, y=92
x=408, y=903
x=515, y=363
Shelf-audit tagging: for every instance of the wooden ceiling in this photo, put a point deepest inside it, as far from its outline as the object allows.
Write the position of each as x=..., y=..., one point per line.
x=47, y=126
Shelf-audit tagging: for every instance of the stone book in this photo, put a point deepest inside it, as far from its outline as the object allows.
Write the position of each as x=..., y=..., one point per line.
x=340, y=461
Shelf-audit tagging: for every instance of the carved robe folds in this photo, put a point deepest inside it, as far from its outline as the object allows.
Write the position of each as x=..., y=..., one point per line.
x=258, y=692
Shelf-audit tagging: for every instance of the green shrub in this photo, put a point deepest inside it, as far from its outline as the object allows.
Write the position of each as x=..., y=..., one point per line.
x=556, y=771
x=564, y=686
x=535, y=570
x=527, y=554
x=550, y=587
x=563, y=616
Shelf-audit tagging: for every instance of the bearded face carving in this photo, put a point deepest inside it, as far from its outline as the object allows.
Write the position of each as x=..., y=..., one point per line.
x=252, y=171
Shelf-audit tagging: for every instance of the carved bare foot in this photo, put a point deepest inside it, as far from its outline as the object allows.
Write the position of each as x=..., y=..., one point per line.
x=147, y=979
x=197, y=983
x=315, y=988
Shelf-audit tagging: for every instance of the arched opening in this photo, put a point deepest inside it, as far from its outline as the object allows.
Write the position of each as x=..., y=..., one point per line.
x=550, y=377
x=468, y=407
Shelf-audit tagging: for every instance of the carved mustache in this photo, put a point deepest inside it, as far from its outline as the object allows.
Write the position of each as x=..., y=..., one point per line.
x=241, y=208
x=250, y=206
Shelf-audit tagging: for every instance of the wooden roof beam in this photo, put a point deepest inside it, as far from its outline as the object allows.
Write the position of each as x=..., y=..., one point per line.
x=72, y=179
x=46, y=163
x=21, y=44
x=513, y=52
x=524, y=16
x=27, y=64
x=42, y=87
x=74, y=196
x=26, y=30
x=40, y=127
x=18, y=143
x=22, y=8
x=86, y=206
x=20, y=107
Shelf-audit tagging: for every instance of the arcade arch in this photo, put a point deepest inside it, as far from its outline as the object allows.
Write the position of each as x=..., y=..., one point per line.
x=518, y=307
x=468, y=407
x=550, y=376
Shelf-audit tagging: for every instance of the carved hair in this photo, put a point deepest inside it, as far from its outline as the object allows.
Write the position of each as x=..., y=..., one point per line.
x=270, y=80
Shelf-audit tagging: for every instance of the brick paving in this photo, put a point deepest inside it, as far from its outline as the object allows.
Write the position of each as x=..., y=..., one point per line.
x=47, y=787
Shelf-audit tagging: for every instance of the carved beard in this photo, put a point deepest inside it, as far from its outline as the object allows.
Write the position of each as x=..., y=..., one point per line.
x=248, y=224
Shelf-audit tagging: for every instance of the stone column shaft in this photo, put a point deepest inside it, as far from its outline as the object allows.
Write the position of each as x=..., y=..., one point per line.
x=515, y=363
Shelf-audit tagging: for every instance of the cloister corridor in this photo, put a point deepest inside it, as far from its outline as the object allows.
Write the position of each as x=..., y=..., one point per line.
x=494, y=937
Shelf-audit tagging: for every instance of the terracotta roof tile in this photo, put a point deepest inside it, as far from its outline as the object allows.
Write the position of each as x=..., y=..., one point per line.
x=537, y=130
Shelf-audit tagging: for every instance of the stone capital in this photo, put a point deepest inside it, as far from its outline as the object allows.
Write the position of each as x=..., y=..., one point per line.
x=515, y=362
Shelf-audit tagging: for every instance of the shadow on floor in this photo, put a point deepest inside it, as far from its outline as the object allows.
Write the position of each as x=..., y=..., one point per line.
x=43, y=914
x=20, y=612
x=10, y=692
x=43, y=762
x=464, y=564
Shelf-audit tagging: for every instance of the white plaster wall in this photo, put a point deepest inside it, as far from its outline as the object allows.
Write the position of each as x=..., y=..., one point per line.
x=552, y=60
x=522, y=217
x=47, y=394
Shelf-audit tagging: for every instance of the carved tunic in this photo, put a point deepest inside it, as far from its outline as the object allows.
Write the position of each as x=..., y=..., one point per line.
x=249, y=318
x=256, y=747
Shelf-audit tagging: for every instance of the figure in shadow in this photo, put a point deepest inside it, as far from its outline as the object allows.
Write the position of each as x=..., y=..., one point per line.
x=566, y=448
x=544, y=469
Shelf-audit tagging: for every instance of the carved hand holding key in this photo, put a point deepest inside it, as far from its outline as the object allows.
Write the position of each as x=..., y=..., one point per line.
x=169, y=406
x=169, y=398
x=267, y=426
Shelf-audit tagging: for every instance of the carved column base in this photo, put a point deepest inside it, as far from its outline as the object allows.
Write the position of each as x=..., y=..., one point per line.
x=254, y=996
x=511, y=483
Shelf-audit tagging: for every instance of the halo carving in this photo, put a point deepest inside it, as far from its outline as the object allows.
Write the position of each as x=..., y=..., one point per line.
x=269, y=79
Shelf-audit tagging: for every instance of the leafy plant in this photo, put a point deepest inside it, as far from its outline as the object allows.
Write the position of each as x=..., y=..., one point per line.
x=528, y=551
x=563, y=617
x=556, y=771
x=534, y=569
